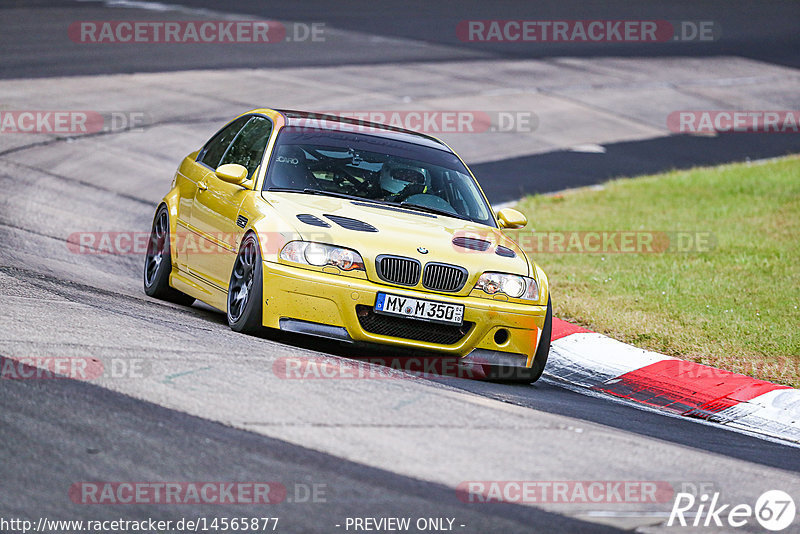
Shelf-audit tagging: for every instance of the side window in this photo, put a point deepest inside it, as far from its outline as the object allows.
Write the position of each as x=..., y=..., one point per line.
x=214, y=150
x=248, y=147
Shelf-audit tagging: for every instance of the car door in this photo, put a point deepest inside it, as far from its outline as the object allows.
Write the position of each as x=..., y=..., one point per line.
x=194, y=172
x=216, y=209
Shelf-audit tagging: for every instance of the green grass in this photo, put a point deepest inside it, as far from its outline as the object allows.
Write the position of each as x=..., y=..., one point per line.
x=733, y=306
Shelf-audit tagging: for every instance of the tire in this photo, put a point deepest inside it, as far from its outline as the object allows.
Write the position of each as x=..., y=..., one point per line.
x=529, y=375
x=158, y=262
x=245, y=288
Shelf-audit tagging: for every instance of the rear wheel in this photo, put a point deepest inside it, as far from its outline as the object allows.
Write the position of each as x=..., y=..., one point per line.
x=529, y=375
x=158, y=262
x=245, y=288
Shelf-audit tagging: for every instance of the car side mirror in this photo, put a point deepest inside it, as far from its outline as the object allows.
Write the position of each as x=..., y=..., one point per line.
x=233, y=173
x=511, y=218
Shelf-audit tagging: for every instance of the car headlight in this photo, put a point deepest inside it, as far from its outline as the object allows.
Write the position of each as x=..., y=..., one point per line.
x=320, y=255
x=515, y=286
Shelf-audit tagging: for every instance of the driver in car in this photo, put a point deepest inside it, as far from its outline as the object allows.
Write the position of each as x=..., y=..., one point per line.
x=402, y=182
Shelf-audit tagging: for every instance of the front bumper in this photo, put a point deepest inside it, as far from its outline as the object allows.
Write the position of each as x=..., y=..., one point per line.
x=327, y=304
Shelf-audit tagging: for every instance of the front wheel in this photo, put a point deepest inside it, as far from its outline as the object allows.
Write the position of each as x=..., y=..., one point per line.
x=529, y=375
x=246, y=288
x=158, y=262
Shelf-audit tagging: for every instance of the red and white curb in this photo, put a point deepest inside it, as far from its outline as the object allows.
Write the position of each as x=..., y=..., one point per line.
x=592, y=361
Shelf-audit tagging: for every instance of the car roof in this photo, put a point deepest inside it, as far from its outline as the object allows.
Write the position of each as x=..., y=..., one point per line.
x=325, y=121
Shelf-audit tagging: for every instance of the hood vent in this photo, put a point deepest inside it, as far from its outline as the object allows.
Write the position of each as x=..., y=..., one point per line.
x=472, y=243
x=351, y=224
x=313, y=221
x=505, y=252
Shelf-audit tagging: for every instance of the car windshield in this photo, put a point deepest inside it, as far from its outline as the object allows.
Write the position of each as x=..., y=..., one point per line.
x=375, y=168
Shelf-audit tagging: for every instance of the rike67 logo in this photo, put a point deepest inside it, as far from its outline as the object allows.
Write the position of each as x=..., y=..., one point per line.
x=774, y=510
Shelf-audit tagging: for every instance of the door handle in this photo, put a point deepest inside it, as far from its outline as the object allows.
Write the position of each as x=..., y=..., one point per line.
x=202, y=186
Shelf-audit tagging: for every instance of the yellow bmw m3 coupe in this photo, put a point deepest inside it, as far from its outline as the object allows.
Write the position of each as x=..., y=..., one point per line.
x=354, y=231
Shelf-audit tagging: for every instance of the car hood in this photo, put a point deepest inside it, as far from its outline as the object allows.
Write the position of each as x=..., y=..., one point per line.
x=399, y=231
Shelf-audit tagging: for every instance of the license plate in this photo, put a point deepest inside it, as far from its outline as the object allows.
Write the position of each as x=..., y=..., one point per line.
x=426, y=310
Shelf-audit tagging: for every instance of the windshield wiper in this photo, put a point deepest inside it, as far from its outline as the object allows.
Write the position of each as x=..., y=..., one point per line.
x=311, y=191
x=427, y=209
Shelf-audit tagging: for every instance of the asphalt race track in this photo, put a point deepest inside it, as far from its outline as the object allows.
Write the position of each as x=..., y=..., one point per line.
x=193, y=401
